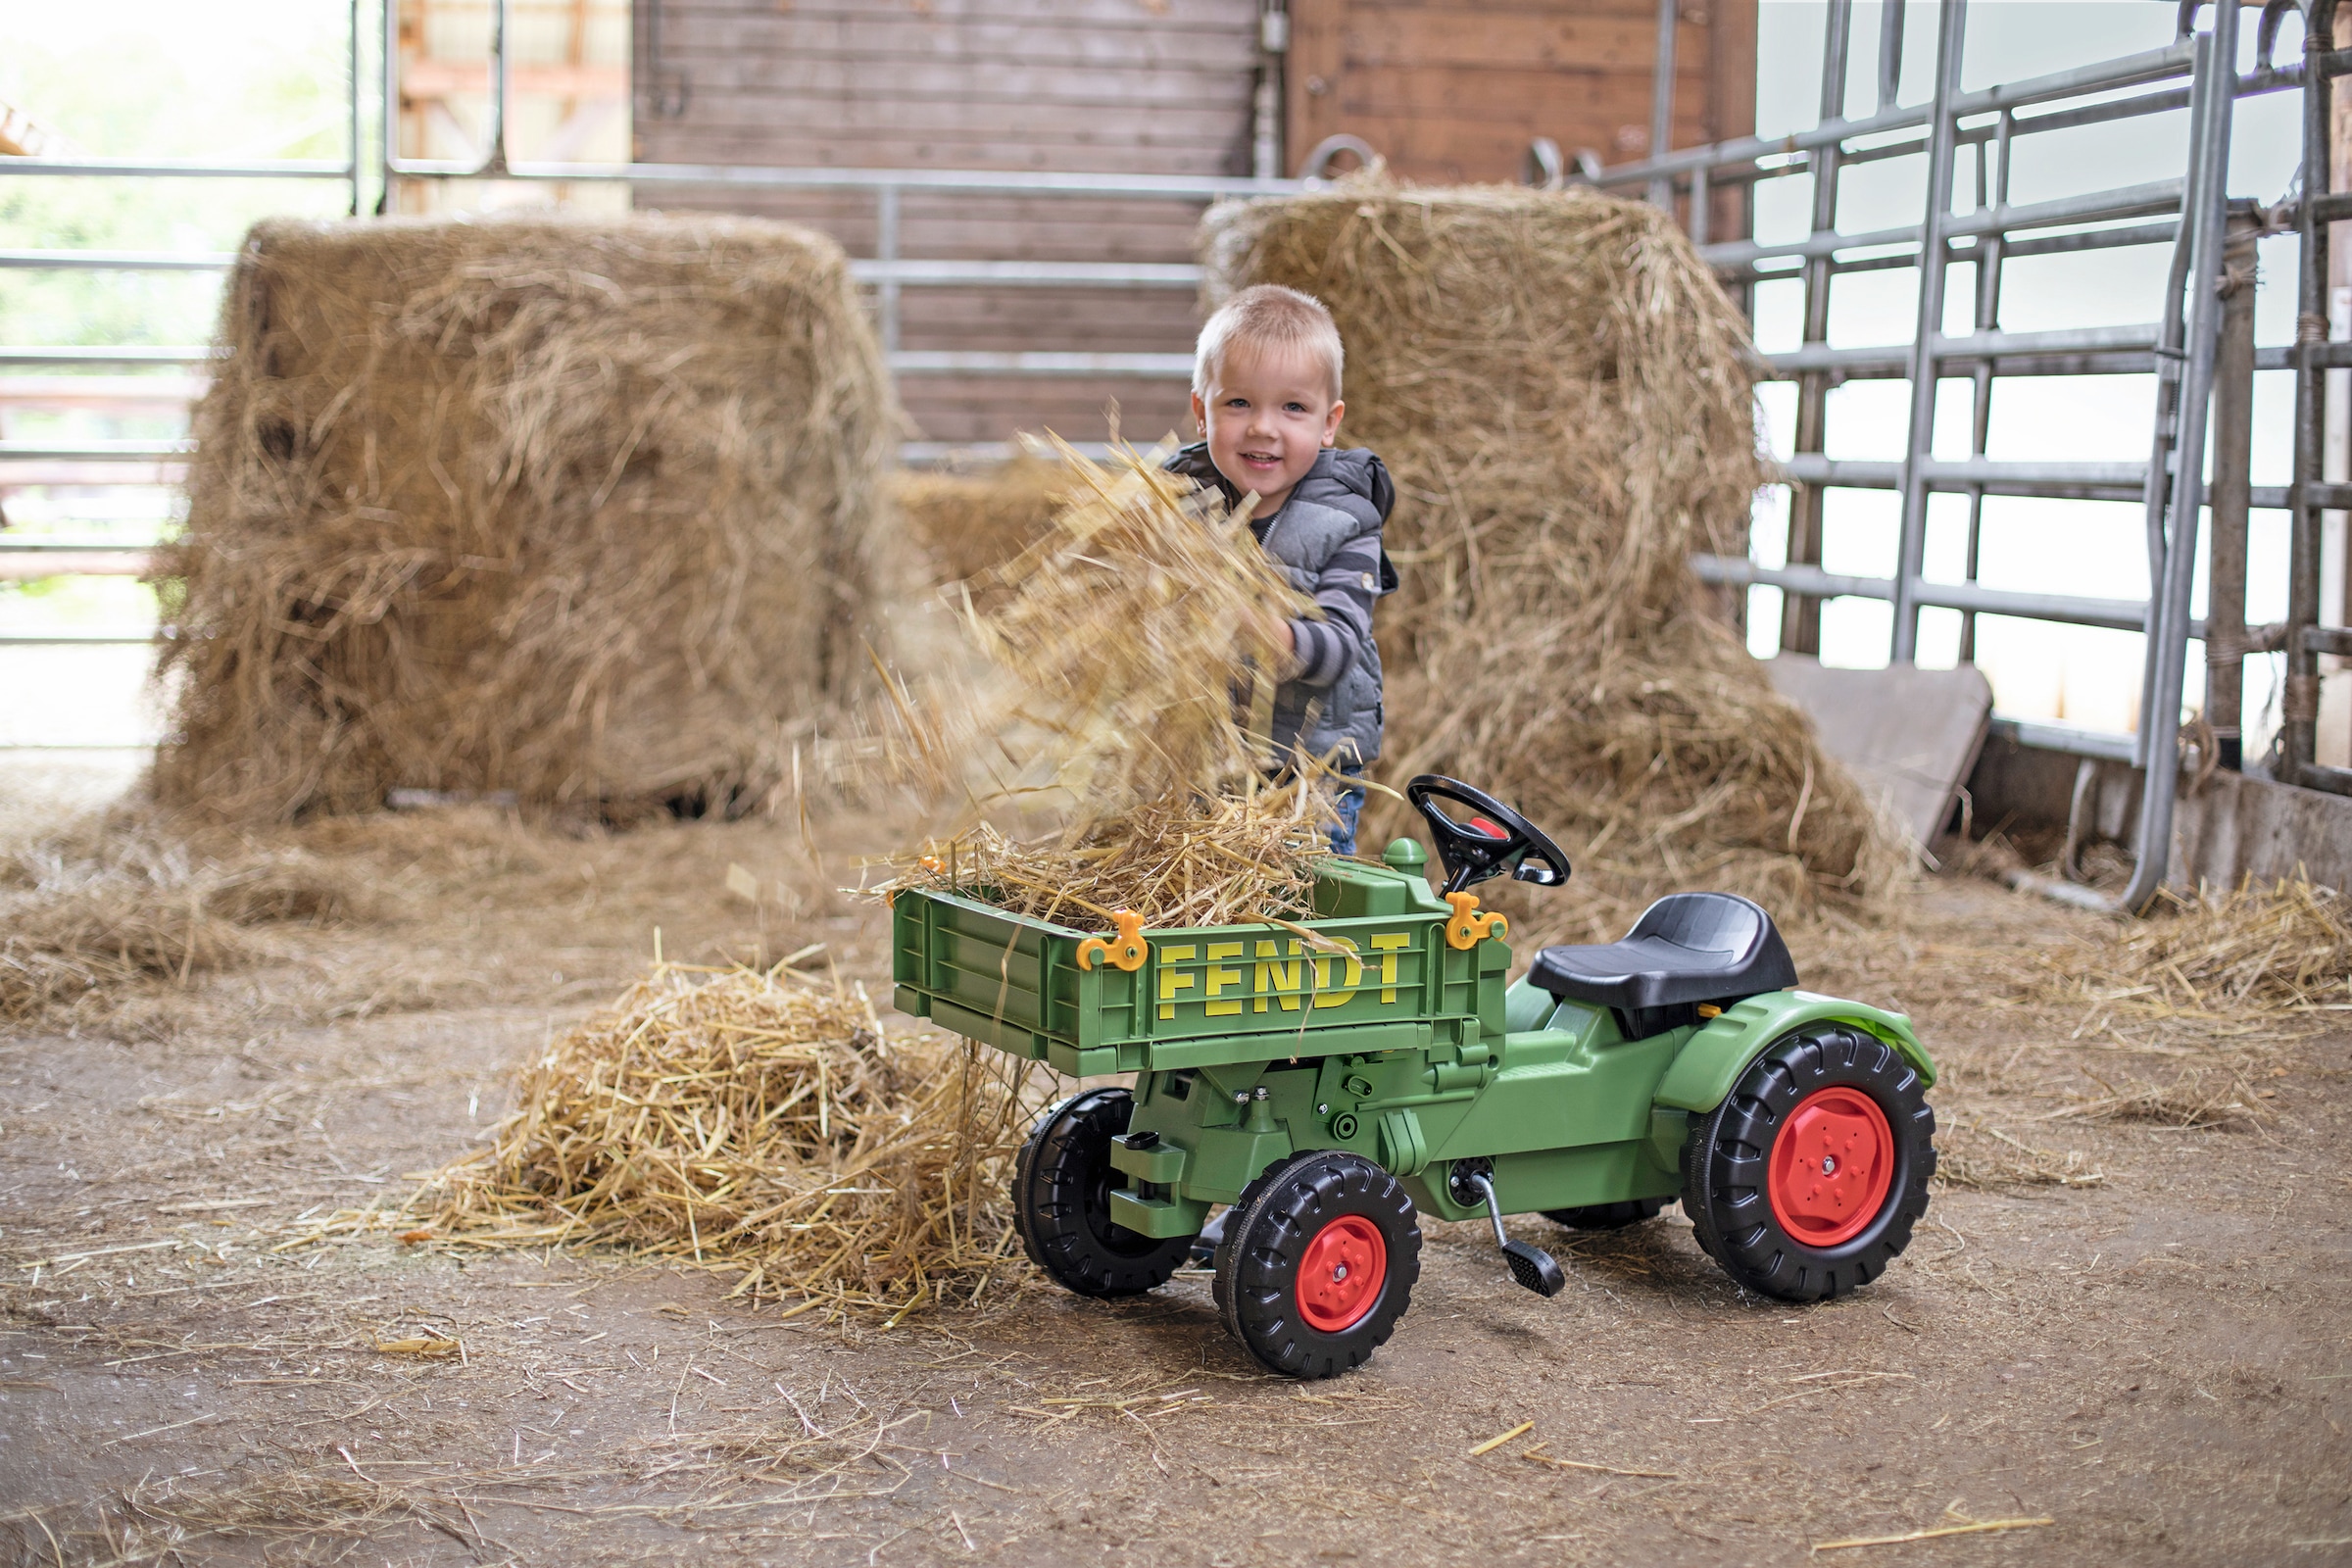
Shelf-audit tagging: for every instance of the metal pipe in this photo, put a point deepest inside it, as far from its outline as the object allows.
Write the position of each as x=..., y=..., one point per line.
x=1661, y=104
x=2299, y=696
x=1911, y=545
x=2171, y=356
x=2232, y=482
x=1890, y=50
x=2154, y=65
x=1992, y=190
x=1800, y=615
x=886, y=252
x=355, y=104
x=2160, y=723
x=121, y=261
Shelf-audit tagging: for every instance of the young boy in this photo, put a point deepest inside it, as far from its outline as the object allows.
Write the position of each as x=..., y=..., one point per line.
x=1266, y=403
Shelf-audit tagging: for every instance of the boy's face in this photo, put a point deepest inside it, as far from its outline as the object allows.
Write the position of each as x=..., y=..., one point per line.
x=1267, y=414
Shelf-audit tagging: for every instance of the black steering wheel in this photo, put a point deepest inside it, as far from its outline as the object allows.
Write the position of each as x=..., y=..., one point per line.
x=1485, y=838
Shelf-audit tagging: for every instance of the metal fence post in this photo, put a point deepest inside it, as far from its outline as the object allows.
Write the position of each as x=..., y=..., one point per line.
x=2233, y=480
x=1801, y=613
x=1933, y=258
x=2168, y=612
x=886, y=251
x=1661, y=104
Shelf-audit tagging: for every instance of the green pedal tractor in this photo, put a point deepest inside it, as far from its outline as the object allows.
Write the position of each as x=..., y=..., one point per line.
x=1333, y=1080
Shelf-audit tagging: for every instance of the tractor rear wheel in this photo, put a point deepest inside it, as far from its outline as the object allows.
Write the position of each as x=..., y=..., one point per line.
x=1318, y=1264
x=1062, y=1202
x=1607, y=1216
x=1806, y=1181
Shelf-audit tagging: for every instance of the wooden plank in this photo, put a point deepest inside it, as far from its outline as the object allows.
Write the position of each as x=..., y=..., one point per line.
x=1449, y=92
x=1038, y=123
x=1907, y=735
x=744, y=145
x=884, y=40
x=1107, y=15
x=1126, y=86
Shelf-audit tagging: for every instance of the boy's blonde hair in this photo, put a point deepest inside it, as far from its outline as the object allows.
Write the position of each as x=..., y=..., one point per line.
x=1268, y=315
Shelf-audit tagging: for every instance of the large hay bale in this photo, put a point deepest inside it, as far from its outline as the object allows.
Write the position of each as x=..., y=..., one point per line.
x=576, y=510
x=972, y=523
x=1558, y=386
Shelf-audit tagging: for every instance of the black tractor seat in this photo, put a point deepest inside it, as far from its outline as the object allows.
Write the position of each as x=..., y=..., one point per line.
x=1687, y=948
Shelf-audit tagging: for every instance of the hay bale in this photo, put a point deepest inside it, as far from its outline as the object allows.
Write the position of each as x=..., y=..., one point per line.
x=969, y=523
x=1558, y=386
x=574, y=510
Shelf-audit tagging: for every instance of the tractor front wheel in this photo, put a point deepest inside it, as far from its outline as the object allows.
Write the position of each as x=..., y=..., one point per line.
x=1318, y=1264
x=1062, y=1202
x=1806, y=1181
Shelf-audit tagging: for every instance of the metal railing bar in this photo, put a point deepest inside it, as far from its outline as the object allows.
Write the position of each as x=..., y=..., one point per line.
x=1132, y=275
x=96, y=451
x=80, y=639
x=2129, y=201
x=176, y=169
x=13, y=545
x=1151, y=367
x=2337, y=640
x=112, y=354
x=2040, y=737
x=120, y=261
x=2114, y=615
x=2151, y=66
x=1005, y=182
x=1974, y=348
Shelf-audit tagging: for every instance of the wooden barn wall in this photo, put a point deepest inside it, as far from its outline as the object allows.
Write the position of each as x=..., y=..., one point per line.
x=1454, y=90
x=1123, y=86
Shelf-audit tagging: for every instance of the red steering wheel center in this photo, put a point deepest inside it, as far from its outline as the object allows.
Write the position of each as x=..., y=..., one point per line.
x=1341, y=1273
x=1830, y=1167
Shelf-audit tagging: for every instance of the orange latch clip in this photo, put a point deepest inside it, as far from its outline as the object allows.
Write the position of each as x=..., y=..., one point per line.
x=1127, y=949
x=1468, y=927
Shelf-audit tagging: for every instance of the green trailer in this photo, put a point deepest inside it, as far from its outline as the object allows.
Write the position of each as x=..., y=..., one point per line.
x=1330, y=1080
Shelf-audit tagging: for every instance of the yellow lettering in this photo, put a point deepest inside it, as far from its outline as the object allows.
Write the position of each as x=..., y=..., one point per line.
x=1387, y=945
x=1325, y=996
x=1277, y=979
x=1219, y=978
x=1170, y=980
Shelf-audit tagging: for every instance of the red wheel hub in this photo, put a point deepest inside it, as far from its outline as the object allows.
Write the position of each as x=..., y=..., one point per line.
x=1830, y=1167
x=1340, y=1272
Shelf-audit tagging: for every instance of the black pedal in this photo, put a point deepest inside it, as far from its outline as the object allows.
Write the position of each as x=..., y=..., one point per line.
x=1533, y=1267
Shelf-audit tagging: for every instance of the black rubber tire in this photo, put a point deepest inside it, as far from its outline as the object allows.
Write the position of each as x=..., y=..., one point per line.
x=1258, y=1268
x=1608, y=1216
x=1062, y=1202
x=1725, y=1155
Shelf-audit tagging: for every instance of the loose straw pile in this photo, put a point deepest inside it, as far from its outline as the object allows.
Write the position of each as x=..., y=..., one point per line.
x=2221, y=965
x=760, y=1124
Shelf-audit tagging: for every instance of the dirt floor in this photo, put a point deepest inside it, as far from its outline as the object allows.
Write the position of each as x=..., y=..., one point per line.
x=2127, y=1335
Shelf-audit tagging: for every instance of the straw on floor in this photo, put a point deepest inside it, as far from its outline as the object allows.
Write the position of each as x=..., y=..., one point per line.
x=762, y=1124
x=2258, y=958
x=578, y=510
x=1559, y=387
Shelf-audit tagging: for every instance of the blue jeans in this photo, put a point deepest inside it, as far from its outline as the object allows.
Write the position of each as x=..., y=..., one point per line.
x=1347, y=806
